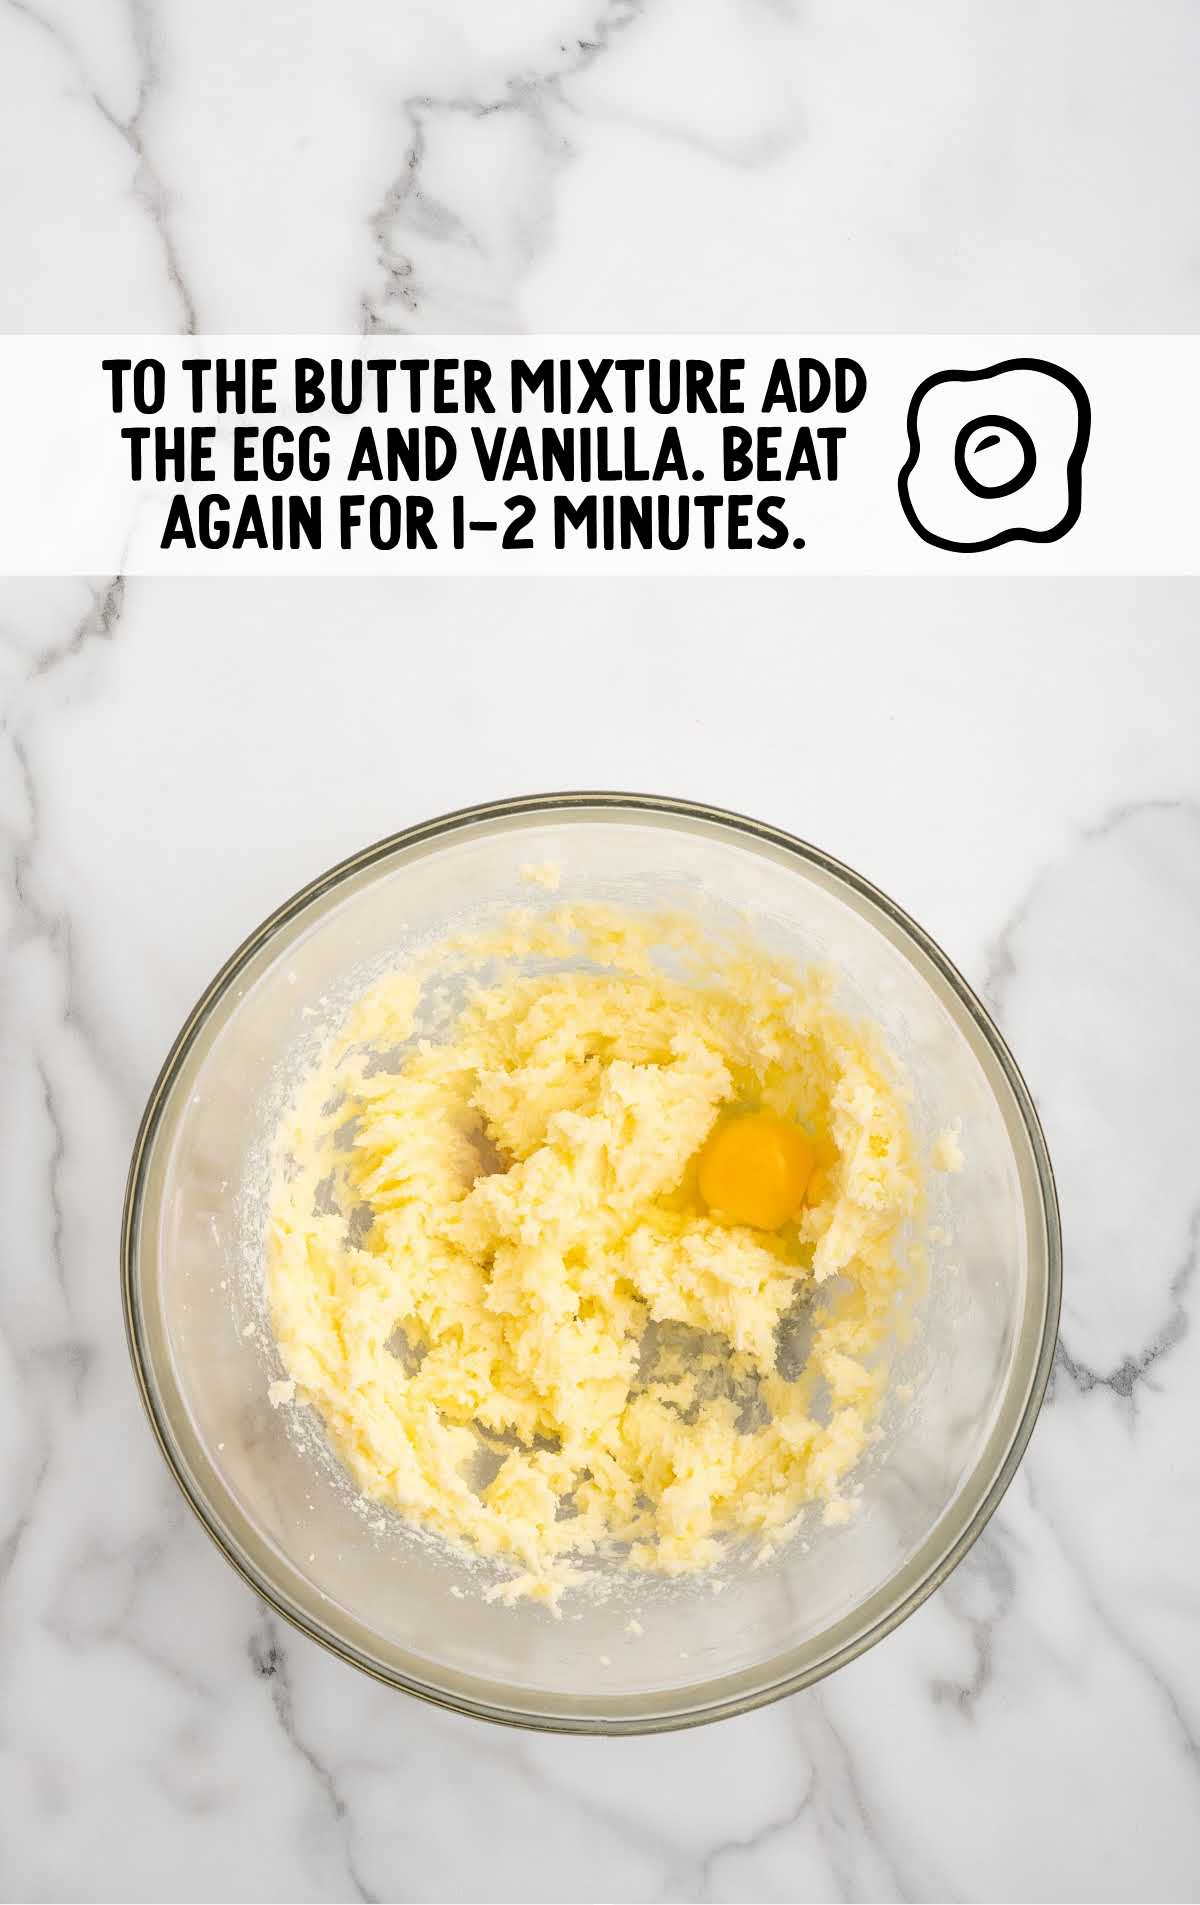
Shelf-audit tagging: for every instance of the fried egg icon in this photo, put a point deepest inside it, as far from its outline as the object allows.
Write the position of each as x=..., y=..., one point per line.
x=995, y=455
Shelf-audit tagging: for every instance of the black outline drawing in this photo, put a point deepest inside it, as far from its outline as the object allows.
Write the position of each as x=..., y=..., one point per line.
x=1074, y=462
x=968, y=478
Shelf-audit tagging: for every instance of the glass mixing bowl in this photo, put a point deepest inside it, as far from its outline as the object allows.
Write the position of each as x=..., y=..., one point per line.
x=401, y=1605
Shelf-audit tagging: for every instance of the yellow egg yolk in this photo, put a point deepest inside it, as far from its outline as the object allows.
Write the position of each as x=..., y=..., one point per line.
x=755, y=1170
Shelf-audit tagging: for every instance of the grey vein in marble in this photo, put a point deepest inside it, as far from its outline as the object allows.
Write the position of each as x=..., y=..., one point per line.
x=149, y=189
x=269, y=1659
x=413, y=214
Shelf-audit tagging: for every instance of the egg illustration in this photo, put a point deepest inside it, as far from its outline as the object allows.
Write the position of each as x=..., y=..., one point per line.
x=995, y=455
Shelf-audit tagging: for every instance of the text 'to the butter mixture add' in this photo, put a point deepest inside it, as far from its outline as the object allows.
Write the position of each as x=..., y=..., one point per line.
x=587, y=1237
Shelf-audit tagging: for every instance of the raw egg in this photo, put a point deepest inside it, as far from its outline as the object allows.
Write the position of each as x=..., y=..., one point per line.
x=755, y=1170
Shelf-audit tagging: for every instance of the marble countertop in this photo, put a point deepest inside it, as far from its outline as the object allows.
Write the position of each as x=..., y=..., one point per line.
x=176, y=757
x=673, y=165
x=167, y=777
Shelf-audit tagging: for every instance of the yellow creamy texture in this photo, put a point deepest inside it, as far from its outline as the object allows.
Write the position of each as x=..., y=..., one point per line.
x=490, y=1273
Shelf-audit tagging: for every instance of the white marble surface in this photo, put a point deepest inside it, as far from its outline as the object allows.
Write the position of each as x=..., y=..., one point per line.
x=1032, y=794
x=1026, y=779
x=717, y=165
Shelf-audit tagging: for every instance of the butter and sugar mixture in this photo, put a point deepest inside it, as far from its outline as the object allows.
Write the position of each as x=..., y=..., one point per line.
x=608, y=1263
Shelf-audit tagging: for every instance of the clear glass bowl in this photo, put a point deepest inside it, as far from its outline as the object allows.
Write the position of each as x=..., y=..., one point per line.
x=406, y=1608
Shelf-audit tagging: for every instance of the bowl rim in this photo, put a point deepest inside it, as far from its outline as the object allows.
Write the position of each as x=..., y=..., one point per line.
x=435, y=829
